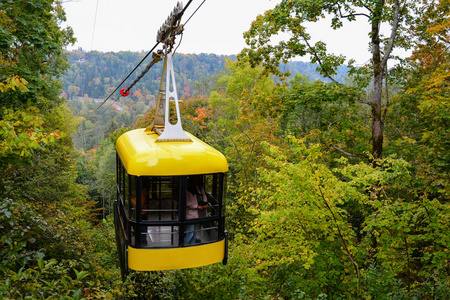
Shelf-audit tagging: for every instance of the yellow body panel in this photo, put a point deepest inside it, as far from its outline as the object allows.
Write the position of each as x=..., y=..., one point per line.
x=143, y=156
x=175, y=258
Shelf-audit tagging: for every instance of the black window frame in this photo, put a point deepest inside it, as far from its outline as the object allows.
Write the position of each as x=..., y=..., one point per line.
x=133, y=215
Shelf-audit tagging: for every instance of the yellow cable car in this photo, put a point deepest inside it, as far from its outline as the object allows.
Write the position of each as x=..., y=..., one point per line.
x=169, y=212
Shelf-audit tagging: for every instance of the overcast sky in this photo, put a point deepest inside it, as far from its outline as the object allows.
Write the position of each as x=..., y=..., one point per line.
x=217, y=27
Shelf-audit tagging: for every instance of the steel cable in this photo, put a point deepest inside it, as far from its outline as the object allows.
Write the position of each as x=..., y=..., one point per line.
x=156, y=45
x=145, y=57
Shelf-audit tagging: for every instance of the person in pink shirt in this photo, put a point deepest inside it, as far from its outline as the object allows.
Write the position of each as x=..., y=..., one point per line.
x=196, y=205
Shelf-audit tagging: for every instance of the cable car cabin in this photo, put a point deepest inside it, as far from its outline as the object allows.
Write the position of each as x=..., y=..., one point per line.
x=169, y=210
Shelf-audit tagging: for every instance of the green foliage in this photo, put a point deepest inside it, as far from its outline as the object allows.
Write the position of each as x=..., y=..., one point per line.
x=303, y=228
x=30, y=238
x=326, y=113
x=96, y=74
x=424, y=100
x=49, y=244
x=49, y=172
x=289, y=16
x=103, y=166
x=56, y=255
x=93, y=124
x=310, y=230
x=32, y=51
x=292, y=17
x=22, y=228
x=236, y=120
x=49, y=280
x=14, y=83
x=22, y=132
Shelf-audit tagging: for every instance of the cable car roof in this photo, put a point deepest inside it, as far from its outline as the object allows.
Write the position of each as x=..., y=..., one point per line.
x=142, y=156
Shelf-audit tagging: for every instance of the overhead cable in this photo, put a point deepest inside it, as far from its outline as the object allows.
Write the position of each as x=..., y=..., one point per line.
x=194, y=12
x=156, y=45
x=95, y=21
x=176, y=17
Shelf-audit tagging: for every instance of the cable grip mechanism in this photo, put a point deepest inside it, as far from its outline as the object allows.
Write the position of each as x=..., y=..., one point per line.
x=162, y=125
x=171, y=27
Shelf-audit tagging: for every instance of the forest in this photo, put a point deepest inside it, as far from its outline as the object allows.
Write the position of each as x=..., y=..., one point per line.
x=338, y=184
x=93, y=76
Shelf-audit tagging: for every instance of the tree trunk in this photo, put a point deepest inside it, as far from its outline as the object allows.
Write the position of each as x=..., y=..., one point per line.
x=377, y=123
x=377, y=126
x=379, y=65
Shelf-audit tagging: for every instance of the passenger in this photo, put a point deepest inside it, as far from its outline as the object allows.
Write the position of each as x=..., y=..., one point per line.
x=196, y=205
x=144, y=198
x=144, y=211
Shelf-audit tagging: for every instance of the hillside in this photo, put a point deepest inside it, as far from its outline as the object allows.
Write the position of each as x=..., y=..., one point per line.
x=94, y=75
x=97, y=74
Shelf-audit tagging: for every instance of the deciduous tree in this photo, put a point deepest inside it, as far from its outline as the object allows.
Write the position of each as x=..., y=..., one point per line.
x=291, y=17
x=32, y=49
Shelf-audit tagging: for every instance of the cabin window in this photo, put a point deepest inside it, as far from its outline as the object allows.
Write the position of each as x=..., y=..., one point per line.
x=156, y=208
x=209, y=226
x=133, y=196
x=161, y=196
x=123, y=187
x=160, y=199
x=121, y=178
x=157, y=236
x=123, y=201
x=214, y=192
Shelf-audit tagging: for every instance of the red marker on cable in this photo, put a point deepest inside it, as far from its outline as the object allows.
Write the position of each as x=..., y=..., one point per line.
x=124, y=92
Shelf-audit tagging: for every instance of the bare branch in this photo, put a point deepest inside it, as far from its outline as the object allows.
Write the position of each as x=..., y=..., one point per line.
x=318, y=60
x=13, y=20
x=368, y=8
x=241, y=161
x=364, y=102
x=387, y=97
x=351, y=15
x=347, y=153
x=341, y=150
x=341, y=236
x=395, y=22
